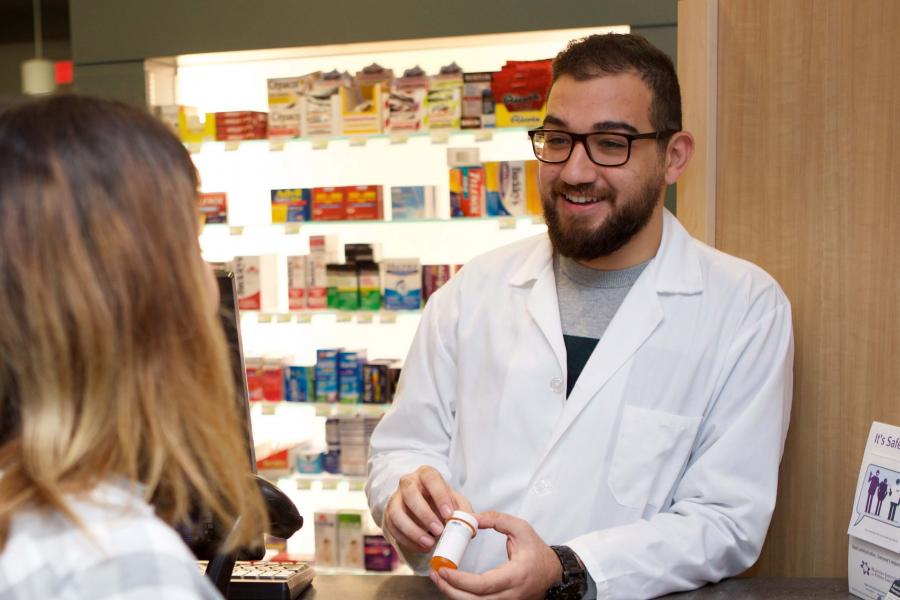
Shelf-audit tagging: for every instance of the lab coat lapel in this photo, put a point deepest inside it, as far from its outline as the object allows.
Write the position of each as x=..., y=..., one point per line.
x=543, y=307
x=634, y=322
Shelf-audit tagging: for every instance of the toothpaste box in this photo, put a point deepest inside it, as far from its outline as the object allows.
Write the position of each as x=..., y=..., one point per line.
x=290, y=205
x=299, y=383
x=402, y=281
x=467, y=192
x=327, y=375
x=363, y=202
x=256, y=279
x=350, y=539
x=297, y=278
x=326, y=533
x=213, y=207
x=505, y=188
x=328, y=204
x=412, y=202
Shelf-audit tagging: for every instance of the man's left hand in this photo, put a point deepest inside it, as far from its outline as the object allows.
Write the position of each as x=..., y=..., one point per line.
x=532, y=568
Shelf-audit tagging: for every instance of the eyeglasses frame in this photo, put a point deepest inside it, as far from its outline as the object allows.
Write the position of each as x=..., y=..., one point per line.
x=582, y=137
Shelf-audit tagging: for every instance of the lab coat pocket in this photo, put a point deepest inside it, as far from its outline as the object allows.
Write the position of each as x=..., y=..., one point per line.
x=651, y=451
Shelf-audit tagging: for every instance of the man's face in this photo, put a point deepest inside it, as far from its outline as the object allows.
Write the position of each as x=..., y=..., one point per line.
x=593, y=211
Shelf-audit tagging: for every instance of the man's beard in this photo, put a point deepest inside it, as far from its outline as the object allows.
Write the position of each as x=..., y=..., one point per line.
x=574, y=240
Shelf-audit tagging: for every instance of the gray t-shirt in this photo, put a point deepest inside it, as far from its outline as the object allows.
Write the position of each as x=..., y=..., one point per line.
x=588, y=301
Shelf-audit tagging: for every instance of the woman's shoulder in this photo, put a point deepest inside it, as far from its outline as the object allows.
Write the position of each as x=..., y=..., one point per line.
x=120, y=548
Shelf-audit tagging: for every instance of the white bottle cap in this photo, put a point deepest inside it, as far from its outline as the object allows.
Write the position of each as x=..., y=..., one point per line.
x=466, y=518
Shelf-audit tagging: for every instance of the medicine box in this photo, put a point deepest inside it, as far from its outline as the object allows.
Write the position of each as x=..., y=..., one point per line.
x=350, y=374
x=213, y=207
x=467, y=192
x=299, y=383
x=402, y=281
x=505, y=188
x=326, y=534
x=350, y=539
x=363, y=202
x=286, y=106
x=328, y=204
x=477, y=101
x=297, y=275
x=291, y=205
x=256, y=280
x=412, y=202
x=327, y=375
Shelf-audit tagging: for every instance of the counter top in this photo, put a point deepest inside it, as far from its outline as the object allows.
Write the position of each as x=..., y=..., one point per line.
x=407, y=587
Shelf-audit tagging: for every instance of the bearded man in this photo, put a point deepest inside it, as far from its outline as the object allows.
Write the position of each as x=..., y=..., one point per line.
x=592, y=393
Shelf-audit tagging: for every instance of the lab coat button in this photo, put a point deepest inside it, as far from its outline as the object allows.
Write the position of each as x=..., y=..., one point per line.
x=542, y=487
x=556, y=384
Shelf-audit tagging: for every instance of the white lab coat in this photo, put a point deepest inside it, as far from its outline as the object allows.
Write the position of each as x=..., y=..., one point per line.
x=661, y=468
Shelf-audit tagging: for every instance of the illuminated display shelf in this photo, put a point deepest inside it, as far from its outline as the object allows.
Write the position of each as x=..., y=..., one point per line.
x=436, y=136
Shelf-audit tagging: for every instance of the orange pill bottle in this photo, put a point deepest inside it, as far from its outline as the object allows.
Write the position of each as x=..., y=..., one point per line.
x=458, y=531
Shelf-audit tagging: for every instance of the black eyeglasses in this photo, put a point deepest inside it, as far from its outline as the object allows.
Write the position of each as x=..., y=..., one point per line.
x=604, y=148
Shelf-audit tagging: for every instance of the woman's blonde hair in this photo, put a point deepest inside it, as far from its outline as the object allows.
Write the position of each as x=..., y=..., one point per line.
x=112, y=360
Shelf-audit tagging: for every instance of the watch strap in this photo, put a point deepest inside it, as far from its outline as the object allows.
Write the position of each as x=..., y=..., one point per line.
x=574, y=580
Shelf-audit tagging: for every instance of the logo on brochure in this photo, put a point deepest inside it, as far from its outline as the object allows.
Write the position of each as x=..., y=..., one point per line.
x=866, y=569
x=879, y=496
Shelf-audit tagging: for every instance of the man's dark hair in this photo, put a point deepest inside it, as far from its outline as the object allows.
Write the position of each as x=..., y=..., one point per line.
x=614, y=53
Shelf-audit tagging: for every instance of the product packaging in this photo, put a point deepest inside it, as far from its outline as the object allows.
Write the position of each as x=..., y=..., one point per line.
x=477, y=101
x=405, y=104
x=343, y=287
x=362, y=103
x=256, y=279
x=402, y=281
x=363, y=202
x=350, y=366
x=286, y=105
x=323, y=249
x=328, y=204
x=308, y=463
x=272, y=380
x=533, y=204
x=369, y=277
x=291, y=205
x=354, y=446
x=241, y=125
x=433, y=277
x=520, y=91
x=213, y=207
x=322, y=104
x=376, y=382
x=326, y=533
x=327, y=375
x=412, y=202
x=194, y=130
x=368, y=252
x=299, y=383
x=350, y=539
x=505, y=185
x=444, y=99
x=380, y=555
x=467, y=192
x=297, y=279
x=253, y=367
x=275, y=465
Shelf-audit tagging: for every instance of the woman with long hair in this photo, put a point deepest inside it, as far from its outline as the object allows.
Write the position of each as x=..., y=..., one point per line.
x=117, y=411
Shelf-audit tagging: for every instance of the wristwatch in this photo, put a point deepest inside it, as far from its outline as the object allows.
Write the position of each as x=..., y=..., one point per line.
x=574, y=581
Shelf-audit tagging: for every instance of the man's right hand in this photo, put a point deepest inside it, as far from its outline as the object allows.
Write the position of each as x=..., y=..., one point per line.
x=417, y=510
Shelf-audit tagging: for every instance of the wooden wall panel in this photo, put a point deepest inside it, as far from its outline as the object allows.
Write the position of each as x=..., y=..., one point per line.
x=697, y=61
x=808, y=187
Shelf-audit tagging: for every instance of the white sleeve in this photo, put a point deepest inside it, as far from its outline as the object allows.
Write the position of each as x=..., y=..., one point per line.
x=417, y=429
x=723, y=503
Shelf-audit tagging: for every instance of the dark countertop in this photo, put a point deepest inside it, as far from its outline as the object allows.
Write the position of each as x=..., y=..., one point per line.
x=406, y=587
